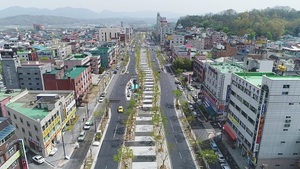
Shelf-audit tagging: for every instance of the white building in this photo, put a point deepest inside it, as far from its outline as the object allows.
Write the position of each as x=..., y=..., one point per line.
x=256, y=65
x=197, y=43
x=263, y=116
x=40, y=116
x=177, y=40
x=166, y=29
x=217, y=86
x=109, y=34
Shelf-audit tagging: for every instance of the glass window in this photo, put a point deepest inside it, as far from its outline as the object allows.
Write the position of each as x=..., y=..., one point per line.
x=286, y=86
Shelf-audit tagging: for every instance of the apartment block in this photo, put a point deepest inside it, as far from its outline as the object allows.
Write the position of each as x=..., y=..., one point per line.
x=263, y=115
x=40, y=116
x=109, y=34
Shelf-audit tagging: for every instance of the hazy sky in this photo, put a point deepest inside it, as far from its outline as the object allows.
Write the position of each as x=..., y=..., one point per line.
x=176, y=6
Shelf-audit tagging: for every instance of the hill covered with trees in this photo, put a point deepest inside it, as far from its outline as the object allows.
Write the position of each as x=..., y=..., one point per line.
x=270, y=22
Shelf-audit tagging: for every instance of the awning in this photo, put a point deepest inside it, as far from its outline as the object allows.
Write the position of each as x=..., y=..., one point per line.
x=230, y=132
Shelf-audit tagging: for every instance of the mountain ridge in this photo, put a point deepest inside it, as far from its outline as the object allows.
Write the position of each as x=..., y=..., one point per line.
x=81, y=13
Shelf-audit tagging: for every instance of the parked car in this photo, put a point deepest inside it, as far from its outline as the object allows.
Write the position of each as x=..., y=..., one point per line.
x=115, y=72
x=102, y=94
x=225, y=166
x=38, y=159
x=53, y=151
x=191, y=107
x=101, y=99
x=81, y=136
x=213, y=145
x=86, y=127
x=221, y=158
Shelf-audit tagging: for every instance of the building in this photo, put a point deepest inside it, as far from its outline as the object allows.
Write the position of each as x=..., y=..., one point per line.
x=95, y=64
x=109, y=34
x=200, y=64
x=217, y=87
x=78, y=78
x=5, y=97
x=40, y=116
x=24, y=55
x=10, y=62
x=263, y=116
x=30, y=74
x=106, y=51
x=17, y=75
x=226, y=50
x=78, y=59
x=12, y=149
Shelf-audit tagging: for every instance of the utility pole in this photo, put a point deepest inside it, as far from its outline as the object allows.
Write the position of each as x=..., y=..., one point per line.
x=63, y=144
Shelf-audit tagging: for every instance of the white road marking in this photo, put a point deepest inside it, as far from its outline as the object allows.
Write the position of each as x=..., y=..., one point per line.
x=176, y=141
x=115, y=131
x=172, y=125
x=119, y=116
x=105, y=167
x=180, y=155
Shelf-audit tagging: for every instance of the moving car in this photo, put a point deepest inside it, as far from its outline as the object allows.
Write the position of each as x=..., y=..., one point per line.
x=38, y=159
x=120, y=109
x=86, y=127
x=53, y=151
x=81, y=136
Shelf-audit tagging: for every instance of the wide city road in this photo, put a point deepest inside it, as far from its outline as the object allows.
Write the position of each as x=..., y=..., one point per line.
x=180, y=154
x=114, y=136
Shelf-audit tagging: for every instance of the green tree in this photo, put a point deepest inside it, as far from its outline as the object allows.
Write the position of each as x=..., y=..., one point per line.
x=124, y=154
x=177, y=94
x=209, y=156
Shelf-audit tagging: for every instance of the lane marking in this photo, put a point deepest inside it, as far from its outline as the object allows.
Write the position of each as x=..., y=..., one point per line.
x=105, y=167
x=176, y=141
x=180, y=155
x=115, y=131
x=172, y=125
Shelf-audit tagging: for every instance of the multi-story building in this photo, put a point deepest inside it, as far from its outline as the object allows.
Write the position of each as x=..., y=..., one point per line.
x=106, y=51
x=10, y=63
x=177, y=40
x=197, y=43
x=217, y=87
x=24, y=55
x=78, y=78
x=95, y=64
x=263, y=116
x=109, y=34
x=30, y=74
x=23, y=75
x=78, y=59
x=200, y=64
x=13, y=155
x=226, y=50
x=40, y=116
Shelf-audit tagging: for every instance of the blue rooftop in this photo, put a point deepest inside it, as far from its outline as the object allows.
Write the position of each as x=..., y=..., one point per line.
x=6, y=131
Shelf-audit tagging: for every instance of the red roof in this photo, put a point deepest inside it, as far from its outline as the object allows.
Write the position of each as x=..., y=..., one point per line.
x=189, y=46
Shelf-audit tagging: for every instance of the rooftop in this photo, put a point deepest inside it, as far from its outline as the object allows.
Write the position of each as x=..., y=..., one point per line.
x=226, y=68
x=4, y=95
x=74, y=72
x=24, y=104
x=255, y=78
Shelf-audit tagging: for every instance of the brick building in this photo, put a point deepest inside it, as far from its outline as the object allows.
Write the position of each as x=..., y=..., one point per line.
x=78, y=78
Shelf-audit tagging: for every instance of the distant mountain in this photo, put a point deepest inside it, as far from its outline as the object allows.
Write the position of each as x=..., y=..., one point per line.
x=82, y=13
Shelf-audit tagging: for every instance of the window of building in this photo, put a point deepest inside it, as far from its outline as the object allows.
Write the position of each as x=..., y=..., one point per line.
x=21, y=120
x=28, y=73
x=35, y=73
x=37, y=78
x=287, y=125
x=29, y=78
x=288, y=117
x=29, y=133
x=291, y=103
x=277, y=165
x=11, y=151
x=17, y=126
x=282, y=142
x=297, y=141
x=37, y=138
x=295, y=153
x=15, y=117
x=279, y=153
x=285, y=129
x=23, y=130
x=284, y=93
x=29, y=83
x=8, y=113
x=292, y=164
x=35, y=128
x=286, y=86
x=22, y=83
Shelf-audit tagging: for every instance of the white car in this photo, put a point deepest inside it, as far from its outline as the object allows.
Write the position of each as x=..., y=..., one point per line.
x=101, y=99
x=53, y=151
x=220, y=157
x=38, y=159
x=225, y=166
